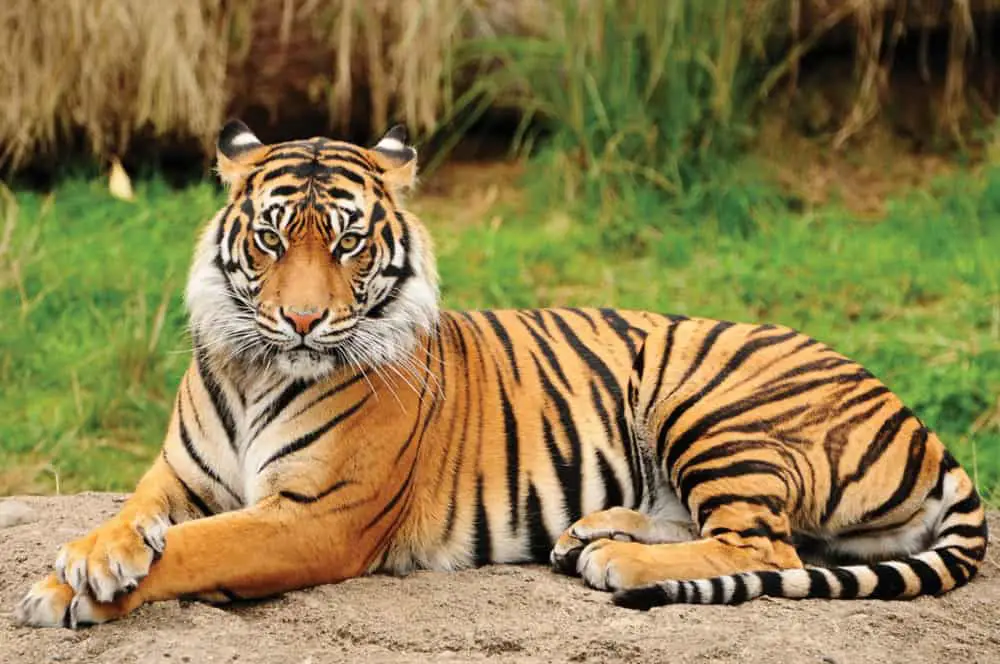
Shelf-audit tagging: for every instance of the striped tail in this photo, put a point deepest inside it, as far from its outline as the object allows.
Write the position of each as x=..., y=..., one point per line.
x=958, y=547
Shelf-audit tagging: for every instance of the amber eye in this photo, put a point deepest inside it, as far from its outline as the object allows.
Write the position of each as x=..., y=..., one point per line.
x=270, y=239
x=349, y=242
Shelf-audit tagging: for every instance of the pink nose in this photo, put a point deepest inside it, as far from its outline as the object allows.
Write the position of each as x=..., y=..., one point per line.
x=303, y=320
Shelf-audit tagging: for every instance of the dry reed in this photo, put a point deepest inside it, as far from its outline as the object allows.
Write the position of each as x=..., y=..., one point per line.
x=109, y=68
x=106, y=70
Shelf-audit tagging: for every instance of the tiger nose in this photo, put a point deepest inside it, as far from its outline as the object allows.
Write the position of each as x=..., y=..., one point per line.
x=303, y=320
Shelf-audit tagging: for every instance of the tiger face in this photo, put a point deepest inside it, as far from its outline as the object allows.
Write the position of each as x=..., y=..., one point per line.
x=312, y=265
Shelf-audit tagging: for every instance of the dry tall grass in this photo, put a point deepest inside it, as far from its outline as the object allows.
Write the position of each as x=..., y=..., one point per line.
x=108, y=68
x=105, y=70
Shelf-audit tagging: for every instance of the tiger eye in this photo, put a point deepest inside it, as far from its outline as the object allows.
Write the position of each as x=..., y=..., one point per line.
x=270, y=239
x=349, y=242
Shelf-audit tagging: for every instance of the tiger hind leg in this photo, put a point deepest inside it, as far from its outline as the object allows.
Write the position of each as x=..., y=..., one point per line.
x=738, y=536
x=619, y=524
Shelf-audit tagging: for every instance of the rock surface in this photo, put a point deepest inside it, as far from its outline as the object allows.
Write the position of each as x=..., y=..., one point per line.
x=500, y=614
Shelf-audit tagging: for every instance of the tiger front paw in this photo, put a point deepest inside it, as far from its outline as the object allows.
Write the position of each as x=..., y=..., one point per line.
x=112, y=559
x=619, y=524
x=613, y=566
x=52, y=603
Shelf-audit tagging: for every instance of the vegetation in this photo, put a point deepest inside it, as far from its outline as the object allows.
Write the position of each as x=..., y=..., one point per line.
x=94, y=74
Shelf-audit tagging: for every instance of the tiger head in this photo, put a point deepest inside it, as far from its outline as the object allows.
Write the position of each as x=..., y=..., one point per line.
x=312, y=264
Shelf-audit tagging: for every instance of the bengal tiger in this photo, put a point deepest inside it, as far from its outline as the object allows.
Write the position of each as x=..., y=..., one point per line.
x=335, y=422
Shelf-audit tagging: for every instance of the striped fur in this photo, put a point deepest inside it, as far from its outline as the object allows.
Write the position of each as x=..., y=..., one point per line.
x=335, y=422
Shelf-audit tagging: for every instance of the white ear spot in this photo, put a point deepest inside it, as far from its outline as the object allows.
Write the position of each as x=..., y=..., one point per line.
x=390, y=144
x=241, y=140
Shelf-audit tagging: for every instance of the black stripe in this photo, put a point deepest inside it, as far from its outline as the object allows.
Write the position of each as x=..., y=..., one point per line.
x=505, y=341
x=684, y=441
x=836, y=441
x=349, y=175
x=302, y=169
x=705, y=509
x=608, y=379
x=582, y=314
x=718, y=590
x=284, y=190
x=681, y=596
x=848, y=582
x=403, y=488
x=193, y=498
x=484, y=546
x=196, y=456
x=540, y=542
x=962, y=530
x=823, y=365
x=464, y=436
x=621, y=328
x=864, y=397
x=311, y=437
x=948, y=463
x=956, y=567
x=930, y=581
x=967, y=505
x=661, y=368
x=302, y=498
x=341, y=149
x=612, y=488
x=550, y=356
x=819, y=585
x=537, y=315
x=235, y=226
x=734, y=363
x=513, y=456
x=347, y=162
x=911, y=475
x=336, y=389
x=568, y=473
x=568, y=470
x=890, y=582
x=692, y=478
x=217, y=398
x=341, y=194
x=695, y=592
x=771, y=584
x=275, y=408
x=740, y=593
x=377, y=215
x=194, y=408
x=760, y=529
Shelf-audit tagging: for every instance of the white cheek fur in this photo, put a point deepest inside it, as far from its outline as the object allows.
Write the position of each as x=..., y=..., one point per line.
x=221, y=326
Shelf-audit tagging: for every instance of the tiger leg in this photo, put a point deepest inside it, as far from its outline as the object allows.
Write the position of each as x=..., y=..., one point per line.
x=256, y=552
x=619, y=524
x=741, y=534
x=111, y=559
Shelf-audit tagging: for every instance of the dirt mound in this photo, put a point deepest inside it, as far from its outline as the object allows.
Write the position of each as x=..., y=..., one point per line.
x=505, y=614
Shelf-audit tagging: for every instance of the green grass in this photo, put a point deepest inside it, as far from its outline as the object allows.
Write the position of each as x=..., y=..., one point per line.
x=92, y=339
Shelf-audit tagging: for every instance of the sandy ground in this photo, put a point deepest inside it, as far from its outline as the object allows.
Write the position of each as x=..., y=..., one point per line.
x=502, y=614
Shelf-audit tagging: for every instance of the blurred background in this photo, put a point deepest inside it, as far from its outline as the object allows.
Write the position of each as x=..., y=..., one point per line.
x=833, y=165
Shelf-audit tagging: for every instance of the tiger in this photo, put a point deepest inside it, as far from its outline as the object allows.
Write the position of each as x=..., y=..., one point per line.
x=335, y=421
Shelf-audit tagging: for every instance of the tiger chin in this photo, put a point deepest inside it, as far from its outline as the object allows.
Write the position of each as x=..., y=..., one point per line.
x=335, y=422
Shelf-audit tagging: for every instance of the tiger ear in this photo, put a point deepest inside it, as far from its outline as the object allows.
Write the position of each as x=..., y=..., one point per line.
x=238, y=150
x=398, y=159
